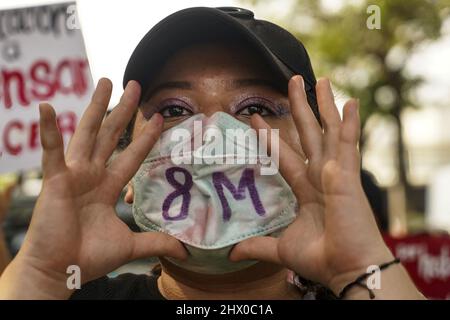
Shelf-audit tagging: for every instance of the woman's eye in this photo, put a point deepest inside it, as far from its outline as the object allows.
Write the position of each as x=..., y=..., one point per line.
x=174, y=111
x=255, y=108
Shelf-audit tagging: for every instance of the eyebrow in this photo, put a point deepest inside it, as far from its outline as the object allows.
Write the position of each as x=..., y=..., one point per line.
x=186, y=85
x=249, y=82
x=230, y=85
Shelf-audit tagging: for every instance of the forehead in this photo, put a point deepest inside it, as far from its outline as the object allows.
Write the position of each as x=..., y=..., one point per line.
x=215, y=61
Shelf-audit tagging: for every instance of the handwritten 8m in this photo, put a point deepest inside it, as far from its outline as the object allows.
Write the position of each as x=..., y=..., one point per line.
x=220, y=180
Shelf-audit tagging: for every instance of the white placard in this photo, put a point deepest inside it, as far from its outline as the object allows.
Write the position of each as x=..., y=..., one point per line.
x=42, y=58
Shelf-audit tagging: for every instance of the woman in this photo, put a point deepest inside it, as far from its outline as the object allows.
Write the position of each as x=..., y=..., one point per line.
x=211, y=64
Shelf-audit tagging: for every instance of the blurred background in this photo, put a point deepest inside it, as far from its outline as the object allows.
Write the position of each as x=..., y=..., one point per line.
x=393, y=55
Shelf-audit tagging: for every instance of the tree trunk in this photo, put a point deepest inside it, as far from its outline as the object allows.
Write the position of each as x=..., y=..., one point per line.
x=401, y=154
x=399, y=194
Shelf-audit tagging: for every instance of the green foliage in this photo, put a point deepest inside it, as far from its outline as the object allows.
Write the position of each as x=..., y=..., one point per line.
x=359, y=60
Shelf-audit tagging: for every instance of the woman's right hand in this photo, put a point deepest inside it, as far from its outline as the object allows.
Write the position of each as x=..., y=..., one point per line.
x=74, y=221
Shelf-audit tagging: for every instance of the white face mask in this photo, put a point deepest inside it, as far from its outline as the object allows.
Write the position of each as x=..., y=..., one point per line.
x=209, y=207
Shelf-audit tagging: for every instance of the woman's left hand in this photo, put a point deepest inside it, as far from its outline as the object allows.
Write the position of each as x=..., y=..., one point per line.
x=334, y=237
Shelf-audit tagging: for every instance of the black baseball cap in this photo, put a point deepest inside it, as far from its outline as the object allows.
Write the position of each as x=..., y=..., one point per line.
x=284, y=54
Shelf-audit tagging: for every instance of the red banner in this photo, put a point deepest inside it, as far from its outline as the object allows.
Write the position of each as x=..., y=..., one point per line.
x=426, y=257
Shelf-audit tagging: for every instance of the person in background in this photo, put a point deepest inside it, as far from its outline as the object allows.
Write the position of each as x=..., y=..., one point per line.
x=377, y=198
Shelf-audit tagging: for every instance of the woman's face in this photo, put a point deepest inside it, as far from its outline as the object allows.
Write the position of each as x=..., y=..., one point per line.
x=215, y=77
x=210, y=78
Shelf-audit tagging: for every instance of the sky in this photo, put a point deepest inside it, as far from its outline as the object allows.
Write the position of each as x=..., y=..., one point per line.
x=112, y=29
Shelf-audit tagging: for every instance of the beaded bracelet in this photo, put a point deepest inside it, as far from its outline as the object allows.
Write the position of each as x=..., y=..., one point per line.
x=359, y=281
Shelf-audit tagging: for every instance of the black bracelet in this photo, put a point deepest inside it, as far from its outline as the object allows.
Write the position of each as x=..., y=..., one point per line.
x=358, y=281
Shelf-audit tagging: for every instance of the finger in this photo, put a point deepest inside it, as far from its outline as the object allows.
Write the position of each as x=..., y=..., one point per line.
x=153, y=244
x=307, y=125
x=124, y=167
x=83, y=140
x=52, y=142
x=256, y=248
x=331, y=120
x=349, y=137
x=116, y=122
x=292, y=167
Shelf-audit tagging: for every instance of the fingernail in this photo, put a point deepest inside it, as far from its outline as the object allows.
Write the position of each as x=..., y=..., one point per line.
x=301, y=82
x=105, y=80
x=132, y=90
x=42, y=106
x=157, y=118
x=127, y=88
x=184, y=257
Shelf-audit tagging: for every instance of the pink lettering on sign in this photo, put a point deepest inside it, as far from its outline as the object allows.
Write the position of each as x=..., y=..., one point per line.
x=426, y=257
x=29, y=133
x=43, y=81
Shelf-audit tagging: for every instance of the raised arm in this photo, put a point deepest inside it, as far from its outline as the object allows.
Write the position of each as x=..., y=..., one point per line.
x=335, y=237
x=74, y=221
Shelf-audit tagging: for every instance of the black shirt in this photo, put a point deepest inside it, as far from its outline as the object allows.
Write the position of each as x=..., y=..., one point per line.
x=130, y=286
x=126, y=286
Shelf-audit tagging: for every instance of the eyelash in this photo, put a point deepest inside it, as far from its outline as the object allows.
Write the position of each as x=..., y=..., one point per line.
x=263, y=103
x=269, y=108
x=168, y=104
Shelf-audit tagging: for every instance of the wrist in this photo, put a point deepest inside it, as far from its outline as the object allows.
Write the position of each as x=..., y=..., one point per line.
x=339, y=281
x=25, y=279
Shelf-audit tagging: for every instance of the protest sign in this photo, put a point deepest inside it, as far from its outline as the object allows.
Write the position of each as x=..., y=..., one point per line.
x=42, y=58
x=427, y=259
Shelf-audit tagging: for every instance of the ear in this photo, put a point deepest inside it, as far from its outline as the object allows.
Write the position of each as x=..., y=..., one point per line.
x=129, y=195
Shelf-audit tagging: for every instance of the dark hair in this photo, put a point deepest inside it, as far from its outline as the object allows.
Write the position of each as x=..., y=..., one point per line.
x=127, y=135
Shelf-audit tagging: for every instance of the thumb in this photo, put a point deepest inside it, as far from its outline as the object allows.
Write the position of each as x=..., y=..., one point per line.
x=257, y=248
x=154, y=244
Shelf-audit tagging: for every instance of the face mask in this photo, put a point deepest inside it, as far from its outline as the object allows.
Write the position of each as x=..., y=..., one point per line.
x=209, y=206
